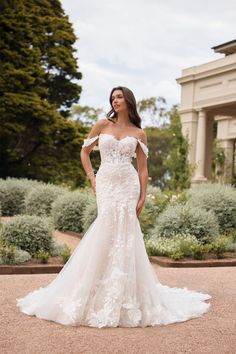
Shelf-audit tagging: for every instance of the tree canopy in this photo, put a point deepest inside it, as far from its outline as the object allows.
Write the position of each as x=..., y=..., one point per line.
x=38, y=84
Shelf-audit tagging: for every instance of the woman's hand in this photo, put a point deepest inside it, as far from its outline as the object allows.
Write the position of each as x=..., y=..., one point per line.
x=140, y=206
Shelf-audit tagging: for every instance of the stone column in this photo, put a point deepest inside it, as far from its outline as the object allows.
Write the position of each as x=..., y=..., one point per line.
x=200, y=148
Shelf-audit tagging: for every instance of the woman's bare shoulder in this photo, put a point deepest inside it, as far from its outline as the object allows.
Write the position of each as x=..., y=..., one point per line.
x=102, y=122
x=142, y=135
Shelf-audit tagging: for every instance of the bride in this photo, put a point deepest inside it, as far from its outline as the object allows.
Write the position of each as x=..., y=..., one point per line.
x=109, y=281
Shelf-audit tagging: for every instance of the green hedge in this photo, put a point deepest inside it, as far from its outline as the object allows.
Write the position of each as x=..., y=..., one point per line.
x=28, y=232
x=39, y=200
x=12, y=195
x=67, y=211
x=219, y=199
x=185, y=219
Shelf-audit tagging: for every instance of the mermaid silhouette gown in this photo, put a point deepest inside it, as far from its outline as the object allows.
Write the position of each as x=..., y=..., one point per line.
x=109, y=281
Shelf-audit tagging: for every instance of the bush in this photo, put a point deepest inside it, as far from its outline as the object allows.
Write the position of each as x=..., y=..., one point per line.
x=199, y=251
x=12, y=195
x=184, y=219
x=89, y=214
x=30, y=233
x=57, y=248
x=67, y=211
x=155, y=203
x=42, y=255
x=21, y=256
x=219, y=247
x=39, y=200
x=171, y=247
x=9, y=254
x=218, y=198
x=65, y=254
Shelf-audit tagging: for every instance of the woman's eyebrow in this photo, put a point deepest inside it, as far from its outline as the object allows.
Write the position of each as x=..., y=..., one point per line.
x=119, y=94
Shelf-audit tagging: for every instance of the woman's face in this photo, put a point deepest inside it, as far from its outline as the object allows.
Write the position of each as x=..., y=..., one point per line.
x=118, y=101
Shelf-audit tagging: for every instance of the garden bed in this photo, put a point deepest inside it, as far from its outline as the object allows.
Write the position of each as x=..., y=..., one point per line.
x=55, y=264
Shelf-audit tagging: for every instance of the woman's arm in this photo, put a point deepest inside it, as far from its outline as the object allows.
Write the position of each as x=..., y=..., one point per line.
x=86, y=150
x=142, y=172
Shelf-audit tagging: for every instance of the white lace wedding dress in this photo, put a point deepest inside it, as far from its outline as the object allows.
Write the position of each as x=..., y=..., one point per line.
x=109, y=281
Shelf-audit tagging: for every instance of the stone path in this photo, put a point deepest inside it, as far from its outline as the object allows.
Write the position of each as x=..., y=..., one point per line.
x=212, y=333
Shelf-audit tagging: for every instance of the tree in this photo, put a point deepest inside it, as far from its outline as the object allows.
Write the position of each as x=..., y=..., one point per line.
x=153, y=111
x=37, y=87
x=159, y=140
x=179, y=169
x=86, y=115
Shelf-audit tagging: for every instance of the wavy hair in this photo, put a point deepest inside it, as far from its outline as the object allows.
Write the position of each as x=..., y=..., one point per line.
x=131, y=106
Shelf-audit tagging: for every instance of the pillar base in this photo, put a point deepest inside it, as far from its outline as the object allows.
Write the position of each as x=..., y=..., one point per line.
x=199, y=179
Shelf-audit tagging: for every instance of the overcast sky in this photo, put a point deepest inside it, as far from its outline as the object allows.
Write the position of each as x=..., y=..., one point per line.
x=144, y=44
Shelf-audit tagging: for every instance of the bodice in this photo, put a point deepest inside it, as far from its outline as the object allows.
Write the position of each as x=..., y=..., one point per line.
x=115, y=150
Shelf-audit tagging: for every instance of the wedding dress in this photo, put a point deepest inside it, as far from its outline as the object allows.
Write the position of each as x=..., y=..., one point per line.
x=109, y=281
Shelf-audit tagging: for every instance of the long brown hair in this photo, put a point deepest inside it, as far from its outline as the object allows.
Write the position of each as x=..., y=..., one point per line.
x=131, y=106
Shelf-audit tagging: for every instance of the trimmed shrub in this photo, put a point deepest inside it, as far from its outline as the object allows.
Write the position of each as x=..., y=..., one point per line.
x=67, y=211
x=218, y=198
x=89, y=214
x=219, y=247
x=42, y=255
x=39, y=200
x=21, y=256
x=65, y=254
x=155, y=203
x=9, y=254
x=28, y=232
x=57, y=248
x=185, y=219
x=12, y=195
x=175, y=247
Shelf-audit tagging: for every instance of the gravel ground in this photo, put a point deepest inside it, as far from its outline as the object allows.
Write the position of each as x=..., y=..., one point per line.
x=71, y=241
x=212, y=333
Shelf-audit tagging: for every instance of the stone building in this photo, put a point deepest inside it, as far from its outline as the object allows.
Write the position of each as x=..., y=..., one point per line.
x=208, y=99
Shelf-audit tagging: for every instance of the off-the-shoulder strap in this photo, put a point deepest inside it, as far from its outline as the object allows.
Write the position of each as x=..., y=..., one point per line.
x=89, y=141
x=144, y=147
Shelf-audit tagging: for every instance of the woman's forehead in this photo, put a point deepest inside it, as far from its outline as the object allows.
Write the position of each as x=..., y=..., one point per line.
x=117, y=92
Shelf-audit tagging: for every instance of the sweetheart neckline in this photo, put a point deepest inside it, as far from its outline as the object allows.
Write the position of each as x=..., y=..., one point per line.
x=127, y=136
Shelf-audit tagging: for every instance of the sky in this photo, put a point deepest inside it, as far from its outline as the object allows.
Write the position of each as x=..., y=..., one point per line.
x=144, y=44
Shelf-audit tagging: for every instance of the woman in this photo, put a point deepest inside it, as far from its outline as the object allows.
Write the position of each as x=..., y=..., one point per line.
x=108, y=280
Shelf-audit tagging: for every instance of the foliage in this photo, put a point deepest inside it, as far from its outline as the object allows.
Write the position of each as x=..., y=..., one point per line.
x=155, y=203
x=39, y=200
x=12, y=195
x=219, y=247
x=159, y=140
x=30, y=233
x=153, y=109
x=67, y=211
x=89, y=213
x=175, y=247
x=57, y=248
x=199, y=251
x=219, y=199
x=179, y=169
x=182, y=219
x=65, y=254
x=37, y=88
x=10, y=254
x=85, y=114
x=218, y=160
x=42, y=255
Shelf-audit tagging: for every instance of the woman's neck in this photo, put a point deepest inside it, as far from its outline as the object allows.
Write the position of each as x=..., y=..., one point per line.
x=123, y=120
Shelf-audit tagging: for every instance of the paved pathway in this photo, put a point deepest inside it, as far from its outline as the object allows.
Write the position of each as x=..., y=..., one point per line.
x=212, y=333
